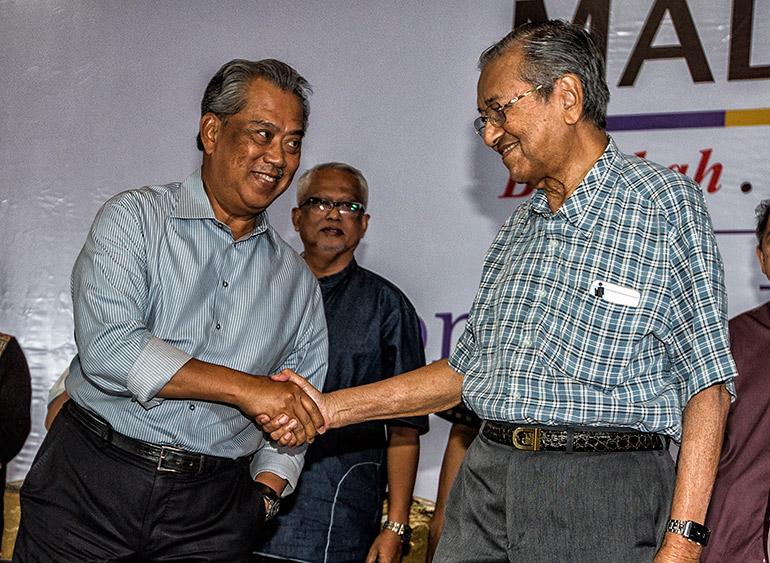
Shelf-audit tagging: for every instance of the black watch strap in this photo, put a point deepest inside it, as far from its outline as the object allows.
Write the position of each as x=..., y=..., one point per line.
x=690, y=530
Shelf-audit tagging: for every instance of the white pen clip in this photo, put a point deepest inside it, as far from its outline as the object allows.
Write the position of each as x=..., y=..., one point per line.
x=614, y=293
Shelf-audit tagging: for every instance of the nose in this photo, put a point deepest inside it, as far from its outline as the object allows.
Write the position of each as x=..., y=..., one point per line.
x=274, y=153
x=334, y=213
x=492, y=134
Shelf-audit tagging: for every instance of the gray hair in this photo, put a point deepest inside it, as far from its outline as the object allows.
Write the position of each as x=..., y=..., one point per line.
x=552, y=49
x=763, y=212
x=225, y=93
x=303, y=184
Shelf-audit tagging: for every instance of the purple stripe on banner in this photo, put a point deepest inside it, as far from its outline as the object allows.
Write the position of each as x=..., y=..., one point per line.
x=666, y=121
x=734, y=232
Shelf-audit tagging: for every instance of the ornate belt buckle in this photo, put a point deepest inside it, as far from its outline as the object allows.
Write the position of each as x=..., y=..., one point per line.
x=526, y=439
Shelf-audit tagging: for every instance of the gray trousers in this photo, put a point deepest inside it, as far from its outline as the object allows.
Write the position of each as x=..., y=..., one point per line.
x=508, y=505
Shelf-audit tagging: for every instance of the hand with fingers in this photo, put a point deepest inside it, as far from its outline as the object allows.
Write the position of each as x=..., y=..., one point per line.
x=284, y=409
x=282, y=427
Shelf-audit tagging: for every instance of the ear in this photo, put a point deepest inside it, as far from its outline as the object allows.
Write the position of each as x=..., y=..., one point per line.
x=364, y=224
x=295, y=215
x=210, y=126
x=765, y=267
x=569, y=91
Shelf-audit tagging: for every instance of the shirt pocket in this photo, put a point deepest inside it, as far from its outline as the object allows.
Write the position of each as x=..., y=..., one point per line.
x=594, y=340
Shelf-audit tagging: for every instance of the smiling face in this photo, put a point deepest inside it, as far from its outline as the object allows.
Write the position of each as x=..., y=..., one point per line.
x=250, y=157
x=329, y=235
x=529, y=140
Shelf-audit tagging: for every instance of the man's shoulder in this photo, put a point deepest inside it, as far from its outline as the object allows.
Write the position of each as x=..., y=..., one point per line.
x=379, y=284
x=146, y=197
x=759, y=314
x=677, y=196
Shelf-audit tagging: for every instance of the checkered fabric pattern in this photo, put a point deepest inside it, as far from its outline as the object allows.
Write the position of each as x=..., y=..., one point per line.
x=542, y=346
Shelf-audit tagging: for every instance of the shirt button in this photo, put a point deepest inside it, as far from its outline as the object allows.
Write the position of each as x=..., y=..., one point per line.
x=554, y=244
x=517, y=395
x=192, y=407
x=527, y=342
x=225, y=284
x=219, y=326
x=540, y=293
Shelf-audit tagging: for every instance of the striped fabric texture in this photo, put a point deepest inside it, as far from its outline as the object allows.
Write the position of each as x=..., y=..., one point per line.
x=611, y=311
x=159, y=281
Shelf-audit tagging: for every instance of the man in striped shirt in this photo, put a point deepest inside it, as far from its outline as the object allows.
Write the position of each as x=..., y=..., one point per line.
x=184, y=299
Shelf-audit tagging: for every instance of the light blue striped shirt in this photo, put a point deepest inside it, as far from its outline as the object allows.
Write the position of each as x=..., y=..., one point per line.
x=160, y=281
x=610, y=312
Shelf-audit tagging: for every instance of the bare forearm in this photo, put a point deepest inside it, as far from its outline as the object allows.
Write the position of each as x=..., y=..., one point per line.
x=702, y=432
x=208, y=382
x=426, y=390
x=403, y=456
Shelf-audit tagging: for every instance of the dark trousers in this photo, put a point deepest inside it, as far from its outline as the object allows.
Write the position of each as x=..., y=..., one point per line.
x=508, y=505
x=84, y=500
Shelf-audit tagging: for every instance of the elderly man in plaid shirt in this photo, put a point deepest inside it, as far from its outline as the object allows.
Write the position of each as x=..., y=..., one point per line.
x=597, y=336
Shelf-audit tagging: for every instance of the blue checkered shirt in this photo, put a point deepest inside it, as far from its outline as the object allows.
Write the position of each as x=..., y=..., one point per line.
x=609, y=312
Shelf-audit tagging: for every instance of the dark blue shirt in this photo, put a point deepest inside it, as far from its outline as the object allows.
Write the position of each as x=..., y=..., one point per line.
x=334, y=514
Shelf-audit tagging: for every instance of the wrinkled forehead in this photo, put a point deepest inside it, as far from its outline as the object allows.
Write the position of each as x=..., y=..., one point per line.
x=339, y=185
x=499, y=80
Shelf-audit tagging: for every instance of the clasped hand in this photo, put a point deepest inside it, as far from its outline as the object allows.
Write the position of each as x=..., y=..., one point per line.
x=297, y=416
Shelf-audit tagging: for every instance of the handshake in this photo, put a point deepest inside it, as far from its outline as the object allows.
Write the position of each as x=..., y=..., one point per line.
x=295, y=411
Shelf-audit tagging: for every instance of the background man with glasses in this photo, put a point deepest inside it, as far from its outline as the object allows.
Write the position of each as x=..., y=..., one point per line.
x=598, y=333
x=374, y=334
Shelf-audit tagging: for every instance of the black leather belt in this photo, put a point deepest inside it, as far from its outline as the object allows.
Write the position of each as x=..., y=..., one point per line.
x=560, y=439
x=165, y=458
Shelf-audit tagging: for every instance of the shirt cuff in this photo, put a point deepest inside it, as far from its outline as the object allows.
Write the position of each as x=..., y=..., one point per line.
x=285, y=462
x=156, y=365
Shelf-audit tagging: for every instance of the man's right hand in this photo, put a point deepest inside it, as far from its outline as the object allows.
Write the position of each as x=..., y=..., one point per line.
x=281, y=427
x=292, y=416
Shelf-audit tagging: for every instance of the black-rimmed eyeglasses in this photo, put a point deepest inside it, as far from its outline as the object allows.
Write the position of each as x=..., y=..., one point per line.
x=496, y=116
x=318, y=205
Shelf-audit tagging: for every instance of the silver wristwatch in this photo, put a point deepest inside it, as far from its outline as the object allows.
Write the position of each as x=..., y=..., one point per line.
x=272, y=499
x=403, y=530
x=690, y=530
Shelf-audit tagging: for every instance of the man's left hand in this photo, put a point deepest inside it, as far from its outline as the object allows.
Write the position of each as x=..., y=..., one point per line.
x=386, y=548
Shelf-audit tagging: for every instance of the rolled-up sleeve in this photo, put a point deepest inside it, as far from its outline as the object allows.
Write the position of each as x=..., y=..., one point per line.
x=117, y=352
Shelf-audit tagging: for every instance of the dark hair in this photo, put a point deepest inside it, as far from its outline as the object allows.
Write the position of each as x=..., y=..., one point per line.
x=225, y=93
x=552, y=49
x=762, y=211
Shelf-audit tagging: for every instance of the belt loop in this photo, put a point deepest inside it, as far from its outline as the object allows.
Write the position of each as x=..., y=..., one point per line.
x=570, y=440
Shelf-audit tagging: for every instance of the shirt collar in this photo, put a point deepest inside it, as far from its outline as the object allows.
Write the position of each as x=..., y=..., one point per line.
x=584, y=206
x=194, y=204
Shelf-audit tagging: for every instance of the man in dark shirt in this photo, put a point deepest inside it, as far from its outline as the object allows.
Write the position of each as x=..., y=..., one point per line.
x=374, y=333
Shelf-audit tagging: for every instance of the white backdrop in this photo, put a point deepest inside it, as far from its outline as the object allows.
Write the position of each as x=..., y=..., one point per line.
x=101, y=96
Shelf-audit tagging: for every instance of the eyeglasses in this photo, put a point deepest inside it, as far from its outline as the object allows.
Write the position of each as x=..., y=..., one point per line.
x=345, y=208
x=497, y=115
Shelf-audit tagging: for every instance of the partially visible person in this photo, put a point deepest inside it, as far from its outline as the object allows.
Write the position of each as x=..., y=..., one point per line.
x=465, y=428
x=335, y=513
x=57, y=396
x=184, y=299
x=15, y=397
x=739, y=513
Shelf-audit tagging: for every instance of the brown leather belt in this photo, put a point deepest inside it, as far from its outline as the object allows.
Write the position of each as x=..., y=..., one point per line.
x=560, y=439
x=165, y=458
